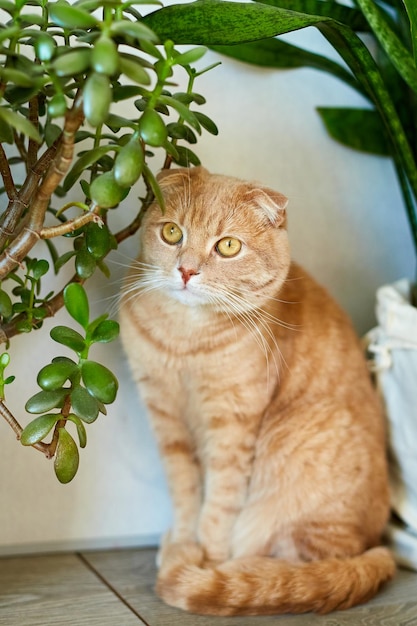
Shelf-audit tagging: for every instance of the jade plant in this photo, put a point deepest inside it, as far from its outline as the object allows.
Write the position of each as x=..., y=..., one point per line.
x=69, y=154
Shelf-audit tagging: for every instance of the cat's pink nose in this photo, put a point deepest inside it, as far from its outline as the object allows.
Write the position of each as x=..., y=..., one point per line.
x=186, y=274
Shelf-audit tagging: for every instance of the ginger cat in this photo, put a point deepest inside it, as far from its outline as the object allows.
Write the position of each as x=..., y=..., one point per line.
x=259, y=396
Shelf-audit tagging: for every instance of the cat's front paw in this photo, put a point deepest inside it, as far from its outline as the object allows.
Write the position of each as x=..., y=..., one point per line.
x=174, y=555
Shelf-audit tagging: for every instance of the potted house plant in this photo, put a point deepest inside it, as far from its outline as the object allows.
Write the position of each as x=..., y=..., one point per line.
x=382, y=67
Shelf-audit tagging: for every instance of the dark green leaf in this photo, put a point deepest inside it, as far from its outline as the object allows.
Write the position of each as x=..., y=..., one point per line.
x=105, y=332
x=82, y=434
x=84, y=405
x=64, y=258
x=187, y=157
x=85, y=263
x=6, y=307
x=46, y=400
x=88, y=158
x=361, y=129
x=97, y=239
x=282, y=55
x=152, y=129
x=183, y=110
x=67, y=457
x=99, y=381
x=40, y=268
x=37, y=430
x=76, y=303
x=68, y=337
x=206, y=123
x=54, y=375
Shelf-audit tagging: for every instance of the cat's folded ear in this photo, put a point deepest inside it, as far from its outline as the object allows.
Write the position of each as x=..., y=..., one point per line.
x=271, y=203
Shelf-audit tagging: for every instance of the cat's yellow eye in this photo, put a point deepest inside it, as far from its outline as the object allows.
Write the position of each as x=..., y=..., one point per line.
x=171, y=233
x=228, y=246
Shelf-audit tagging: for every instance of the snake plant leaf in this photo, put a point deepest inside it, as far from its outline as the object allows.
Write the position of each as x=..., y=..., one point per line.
x=84, y=405
x=67, y=457
x=218, y=22
x=360, y=129
x=347, y=15
x=282, y=55
x=411, y=8
x=38, y=428
x=390, y=42
x=76, y=303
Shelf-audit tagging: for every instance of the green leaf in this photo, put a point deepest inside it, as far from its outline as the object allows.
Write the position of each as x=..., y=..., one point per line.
x=152, y=129
x=219, y=22
x=360, y=129
x=76, y=303
x=106, y=331
x=411, y=8
x=68, y=337
x=206, y=123
x=129, y=163
x=137, y=30
x=153, y=183
x=70, y=17
x=40, y=268
x=54, y=375
x=98, y=240
x=88, y=158
x=6, y=307
x=66, y=458
x=182, y=109
x=347, y=15
x=46, y=400
x=82, y=434
x=191, y=56
x=187, y=157
x=105, y=58
x=37, y=430
x=84, y=405
x=76, y=61
x=97, y=97
x=99, y=381
x=390, y=42
x=85, y=263
x=105, y=191
x=282, y=55
x=134, y=71
x=20, y=123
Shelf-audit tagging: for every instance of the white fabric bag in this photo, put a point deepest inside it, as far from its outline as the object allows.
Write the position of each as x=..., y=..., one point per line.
x=393, y=346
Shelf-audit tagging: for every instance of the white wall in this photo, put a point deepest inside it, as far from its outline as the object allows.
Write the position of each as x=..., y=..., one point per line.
x=347, y=226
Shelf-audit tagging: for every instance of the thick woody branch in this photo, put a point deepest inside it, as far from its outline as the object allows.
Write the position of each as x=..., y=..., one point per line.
x=30, y=233
x=6, y=175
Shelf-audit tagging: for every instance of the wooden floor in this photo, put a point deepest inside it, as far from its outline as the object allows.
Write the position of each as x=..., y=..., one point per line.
x=115, y=588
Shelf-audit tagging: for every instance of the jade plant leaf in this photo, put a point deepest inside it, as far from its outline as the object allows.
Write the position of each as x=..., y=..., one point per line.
x=38, y=428
x=84, y=405
x=99, y=381
x=105, y=332
x=82, y=433
x=67, y=457
x=46, y=400
x=68, y=337
x=54, y=375
x=76, y=303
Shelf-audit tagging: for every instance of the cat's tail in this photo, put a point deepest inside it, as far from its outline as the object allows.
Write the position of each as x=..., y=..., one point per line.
x=267, y=586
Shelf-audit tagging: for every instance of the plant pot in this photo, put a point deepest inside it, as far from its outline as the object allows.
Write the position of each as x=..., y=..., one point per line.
x=393, y=348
